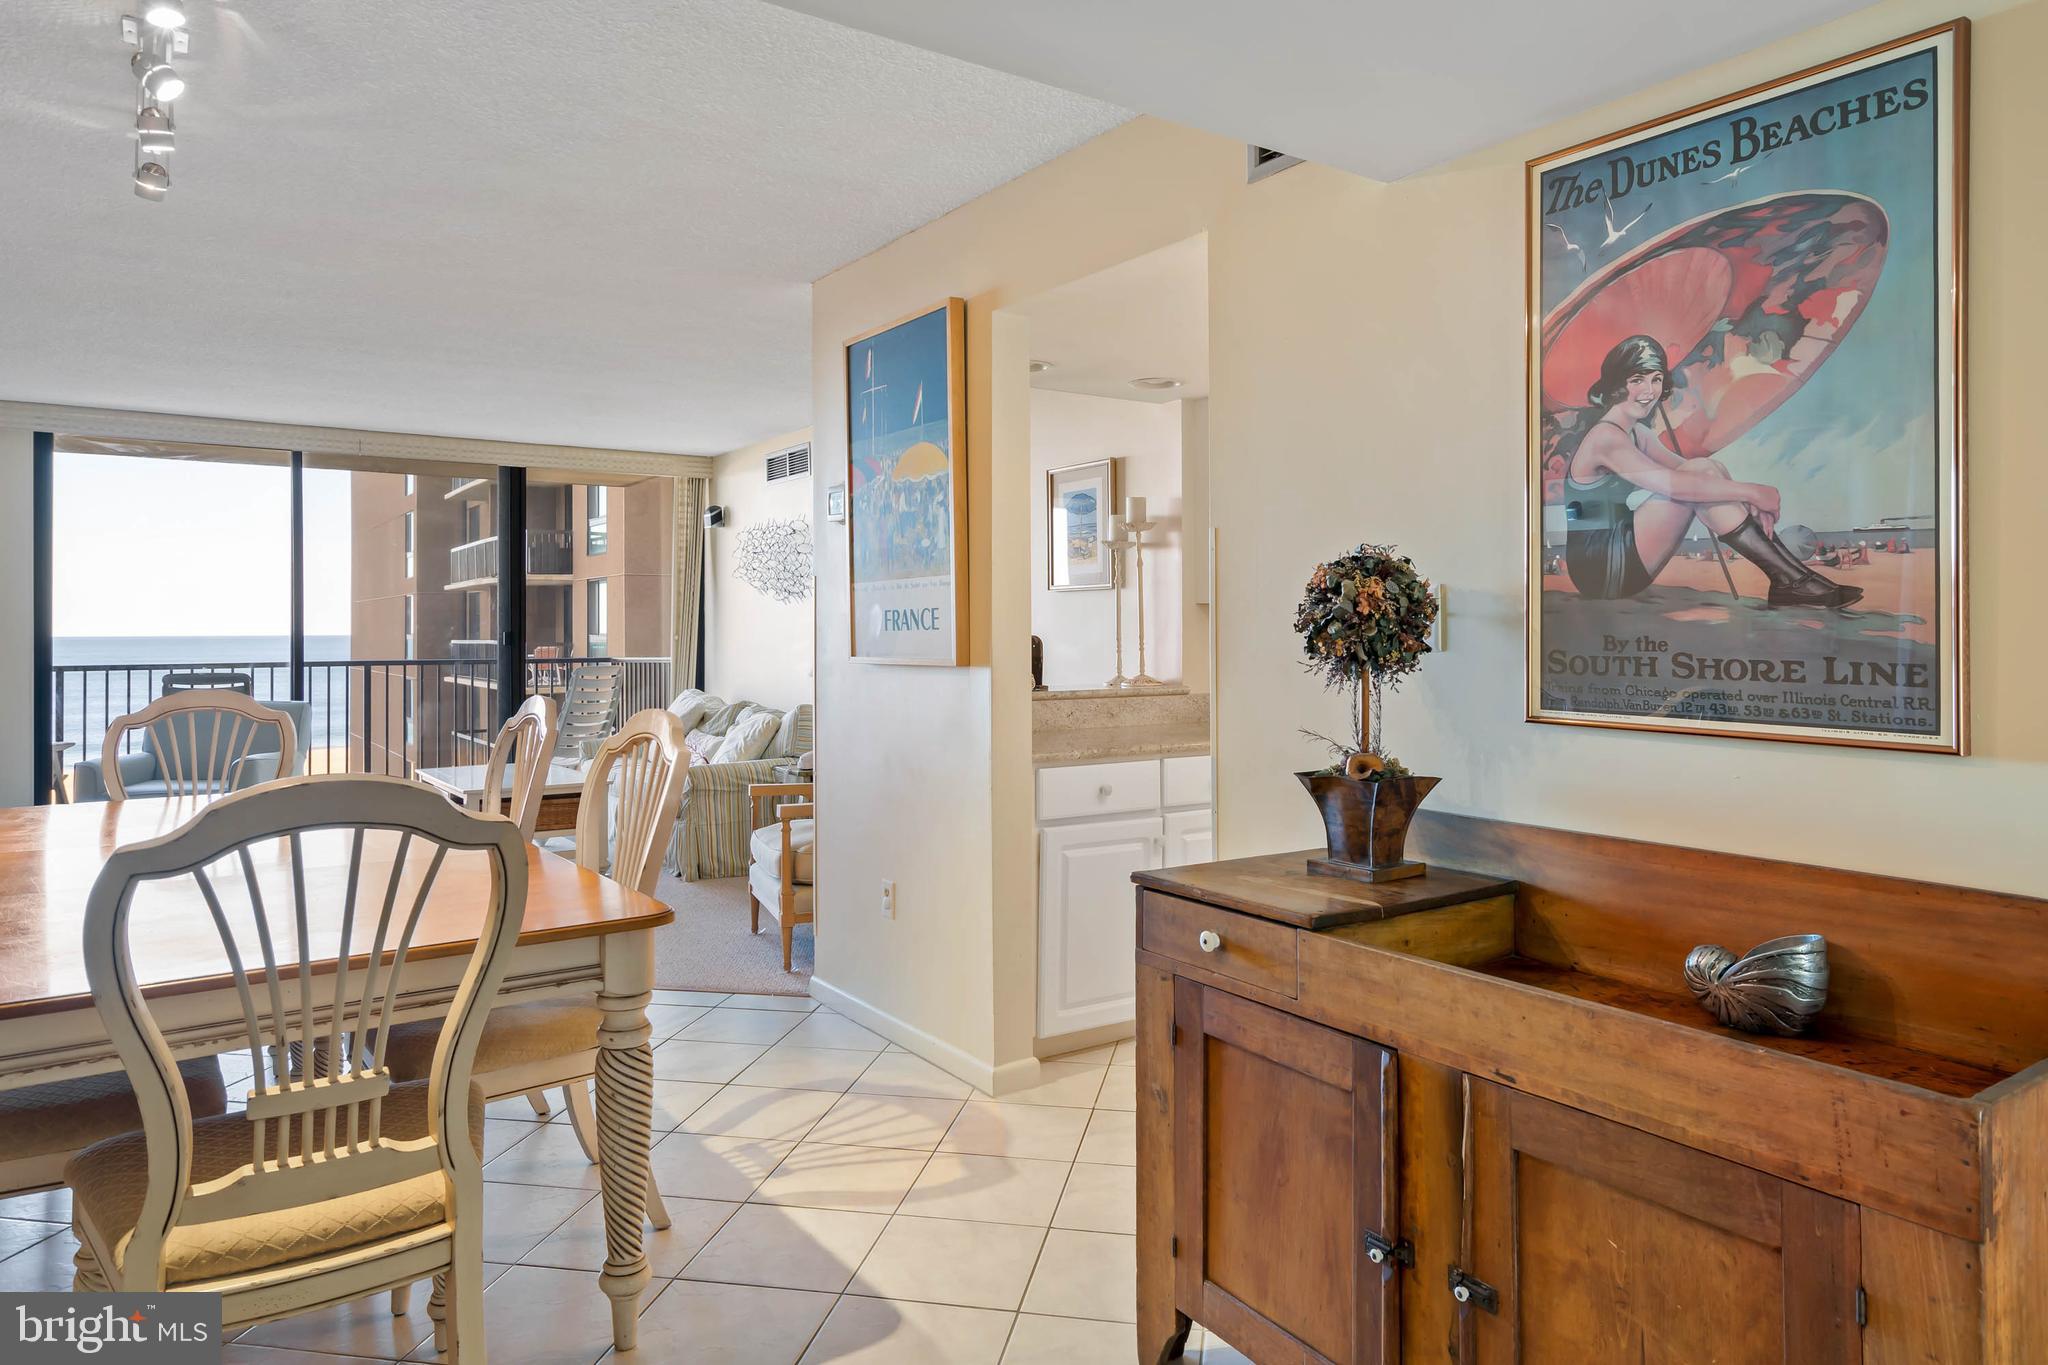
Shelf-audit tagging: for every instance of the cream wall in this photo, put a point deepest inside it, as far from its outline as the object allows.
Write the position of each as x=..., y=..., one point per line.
x=1366, y=381
x=755, y=647
x=1078, y=628
x=17, y=617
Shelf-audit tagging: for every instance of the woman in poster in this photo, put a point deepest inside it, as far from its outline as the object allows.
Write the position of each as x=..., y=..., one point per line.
x=1615, y=550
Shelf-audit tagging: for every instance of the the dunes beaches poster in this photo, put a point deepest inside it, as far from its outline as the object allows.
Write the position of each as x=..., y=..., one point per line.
x=906, y=516
x=1744, y=412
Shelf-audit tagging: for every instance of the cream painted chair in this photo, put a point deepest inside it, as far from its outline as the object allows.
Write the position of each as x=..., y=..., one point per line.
x=780, y=871
x=553, y=1043
x=526, y=744
x=327, y=1189
x=204, y=743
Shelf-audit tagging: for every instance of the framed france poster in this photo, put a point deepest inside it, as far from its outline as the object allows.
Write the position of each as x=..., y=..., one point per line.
x=906, y=515
x=1745, y=412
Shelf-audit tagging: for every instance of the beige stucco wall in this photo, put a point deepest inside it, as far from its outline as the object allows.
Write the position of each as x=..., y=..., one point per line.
x=1366, y=381
x=756, y=649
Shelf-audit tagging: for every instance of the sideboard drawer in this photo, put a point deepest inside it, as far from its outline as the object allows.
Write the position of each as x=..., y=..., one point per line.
x=1187, y=780
x=1254, y=951
x=1098, y=789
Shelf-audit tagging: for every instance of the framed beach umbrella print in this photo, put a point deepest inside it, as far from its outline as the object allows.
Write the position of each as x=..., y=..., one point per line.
x=906, y=513
x=1745, y=412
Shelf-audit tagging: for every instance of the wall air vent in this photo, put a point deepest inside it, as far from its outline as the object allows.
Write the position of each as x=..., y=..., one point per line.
x=1260, y=162
x=793, y=463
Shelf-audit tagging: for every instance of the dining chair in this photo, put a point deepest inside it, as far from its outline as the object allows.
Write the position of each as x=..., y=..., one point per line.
x=203, y=742
x=635, y=783
x=526, y=744
x=324, y=1188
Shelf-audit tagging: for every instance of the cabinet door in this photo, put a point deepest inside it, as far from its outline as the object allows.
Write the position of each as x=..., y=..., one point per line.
x=1607, y=1246
x=1283, y=1143
x=1086, y=921
x=1190, y=837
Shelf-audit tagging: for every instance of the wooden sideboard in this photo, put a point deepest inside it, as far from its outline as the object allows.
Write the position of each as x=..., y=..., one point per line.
x=1476, y=1117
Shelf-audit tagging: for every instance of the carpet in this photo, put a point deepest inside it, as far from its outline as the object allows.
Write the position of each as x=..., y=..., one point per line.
x=709, y=948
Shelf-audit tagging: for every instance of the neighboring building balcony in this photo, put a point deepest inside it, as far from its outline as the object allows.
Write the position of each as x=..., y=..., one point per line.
x=549, y=555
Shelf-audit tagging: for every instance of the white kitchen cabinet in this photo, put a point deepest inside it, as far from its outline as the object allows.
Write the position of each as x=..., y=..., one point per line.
x=1097, y=824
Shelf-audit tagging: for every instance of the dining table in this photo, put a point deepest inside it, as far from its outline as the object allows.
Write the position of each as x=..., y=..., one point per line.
x=561, y=790
x=581, y=933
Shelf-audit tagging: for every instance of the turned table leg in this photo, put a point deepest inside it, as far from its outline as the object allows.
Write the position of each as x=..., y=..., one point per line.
x=625, y=1120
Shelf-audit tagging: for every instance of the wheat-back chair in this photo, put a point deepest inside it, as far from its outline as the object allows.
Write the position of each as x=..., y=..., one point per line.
x=525, y=744
x=203, y=741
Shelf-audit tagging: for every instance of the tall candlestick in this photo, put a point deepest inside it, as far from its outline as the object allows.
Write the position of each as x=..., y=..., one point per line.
x=1114, y=543
x=1135, y=526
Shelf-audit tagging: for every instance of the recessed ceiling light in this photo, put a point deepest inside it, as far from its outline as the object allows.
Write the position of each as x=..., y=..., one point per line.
x=1040, y=366
x=1155, y=382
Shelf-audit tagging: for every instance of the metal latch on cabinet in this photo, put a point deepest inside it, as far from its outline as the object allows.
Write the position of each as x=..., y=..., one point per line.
x=1379, y=1251
x=1466, y=1289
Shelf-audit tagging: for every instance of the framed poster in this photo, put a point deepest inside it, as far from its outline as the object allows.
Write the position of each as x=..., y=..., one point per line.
x=906, y=514
x=1745, y=412
x=1078, y=502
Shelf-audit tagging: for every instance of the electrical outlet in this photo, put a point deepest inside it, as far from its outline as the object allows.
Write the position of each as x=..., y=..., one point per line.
x=1443, y=609
x=888, y=899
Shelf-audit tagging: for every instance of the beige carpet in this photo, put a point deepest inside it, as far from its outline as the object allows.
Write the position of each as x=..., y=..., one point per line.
x=708, y=948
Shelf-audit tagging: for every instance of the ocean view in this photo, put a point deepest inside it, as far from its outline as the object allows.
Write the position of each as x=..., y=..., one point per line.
x=126, y=673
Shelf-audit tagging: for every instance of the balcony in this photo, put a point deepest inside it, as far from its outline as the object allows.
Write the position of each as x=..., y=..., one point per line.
x=475, y=565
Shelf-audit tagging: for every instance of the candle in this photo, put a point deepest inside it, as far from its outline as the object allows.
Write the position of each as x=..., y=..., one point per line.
x=1116, y=529
x=1134, y=511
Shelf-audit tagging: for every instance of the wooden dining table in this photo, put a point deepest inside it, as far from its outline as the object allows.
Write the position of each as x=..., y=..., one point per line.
x=582, y=933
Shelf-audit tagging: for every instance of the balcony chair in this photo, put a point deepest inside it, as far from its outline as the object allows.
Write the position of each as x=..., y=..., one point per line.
x=779, y=877
x=321, y=1191
x=554, y=1042
x=197, y=743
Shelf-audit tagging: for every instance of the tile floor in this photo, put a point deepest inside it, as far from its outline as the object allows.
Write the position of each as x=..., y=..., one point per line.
x=834, y=1199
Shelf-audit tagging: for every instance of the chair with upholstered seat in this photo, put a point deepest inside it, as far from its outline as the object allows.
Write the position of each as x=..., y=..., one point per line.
x=634, y=783
x=328, y=1188
x=196, y=743
x=779, y=872
x=525, y=746
x=42, y=1126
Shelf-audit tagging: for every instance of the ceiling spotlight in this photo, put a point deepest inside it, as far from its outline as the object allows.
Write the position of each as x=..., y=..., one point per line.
x=161, y=84
x=165, y=15
x=1040, y=366
x=1155, y=382
x=154, y=131
x=152, y=181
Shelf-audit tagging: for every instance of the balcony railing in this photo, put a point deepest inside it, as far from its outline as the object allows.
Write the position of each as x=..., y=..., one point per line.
x=547, y=552
x=390, y=716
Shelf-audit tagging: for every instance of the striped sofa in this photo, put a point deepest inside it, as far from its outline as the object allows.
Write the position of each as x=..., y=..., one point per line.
x=716, y=818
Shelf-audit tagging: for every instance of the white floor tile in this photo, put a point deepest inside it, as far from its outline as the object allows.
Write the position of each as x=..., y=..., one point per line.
x=886, y=1332
x=1061, y=1083
x=44, y=1206
x=500, y=1134
x=1099, y=1199
x=682, y=1060
x=1042, y=1132
x=518, y=1217
x=705, y=1166
x=788, y=1248
x=235, y=1353
x=550, y=1155
x=703, y=998
x=793, y=1004
x=1119, y=1089
x=942, y=1260
x=1086, y=1275
x=668, y=1020
x=900, y=1073
x=826, y=1029
x=886, y=1121
x=579, y=1243
x=1111, y=1139
x=1040, y=1340
x=361, y=1328
x=807, y=1068
x=728, y=1025
x=727, y=1324
x=538, y=1316
x=1126, y=1053
x=519, y=1109
x=1088, y=1056
x=988, y=1189
x=758, y=1112
x=42, y=1267
x=18, y=1234
x=821, y=1176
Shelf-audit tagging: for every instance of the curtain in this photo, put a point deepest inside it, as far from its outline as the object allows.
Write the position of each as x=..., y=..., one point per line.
x=689, y=583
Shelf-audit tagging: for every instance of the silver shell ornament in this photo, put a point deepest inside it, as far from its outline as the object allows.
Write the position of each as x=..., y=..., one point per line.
x=1776, y=987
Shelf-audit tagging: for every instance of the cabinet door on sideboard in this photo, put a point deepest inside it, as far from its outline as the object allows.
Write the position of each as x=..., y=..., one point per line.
x=1283, y=1142
x=1607, y=1246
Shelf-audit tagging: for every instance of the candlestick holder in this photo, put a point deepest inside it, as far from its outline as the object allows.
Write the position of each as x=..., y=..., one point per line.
x=1115, y=541
x=1136, y=531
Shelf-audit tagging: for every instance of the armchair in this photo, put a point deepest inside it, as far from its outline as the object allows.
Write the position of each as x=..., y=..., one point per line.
x=141, y=772
x=716, y=820
x=780, y=876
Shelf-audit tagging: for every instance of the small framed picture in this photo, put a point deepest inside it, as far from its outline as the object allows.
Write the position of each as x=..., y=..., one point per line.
x=1078, y=503
x=835, y=503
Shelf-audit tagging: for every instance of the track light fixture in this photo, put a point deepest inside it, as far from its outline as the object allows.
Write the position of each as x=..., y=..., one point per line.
x=157, y=36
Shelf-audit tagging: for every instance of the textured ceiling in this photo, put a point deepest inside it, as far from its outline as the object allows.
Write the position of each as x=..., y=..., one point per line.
x=585, y=222
x=1146, y=317
x=1383, y=88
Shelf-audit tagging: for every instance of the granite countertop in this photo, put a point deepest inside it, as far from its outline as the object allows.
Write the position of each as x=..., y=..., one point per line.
x=1108, y=743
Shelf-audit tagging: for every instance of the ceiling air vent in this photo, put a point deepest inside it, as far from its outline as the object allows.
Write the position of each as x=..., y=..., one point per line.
x=1260, y=162
x=793, y=463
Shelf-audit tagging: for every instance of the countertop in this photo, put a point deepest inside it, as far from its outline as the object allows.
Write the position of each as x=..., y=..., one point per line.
x=1108, y=743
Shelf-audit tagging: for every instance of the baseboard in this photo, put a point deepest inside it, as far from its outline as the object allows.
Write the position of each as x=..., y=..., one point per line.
x=990, y=1080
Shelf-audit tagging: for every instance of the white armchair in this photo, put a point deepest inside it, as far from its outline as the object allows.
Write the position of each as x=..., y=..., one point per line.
x=779, y=875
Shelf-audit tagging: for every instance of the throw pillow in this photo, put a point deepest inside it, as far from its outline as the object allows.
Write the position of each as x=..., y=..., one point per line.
x=691, y=706
x=702, y=745
x=748, y=738
x=721, y=719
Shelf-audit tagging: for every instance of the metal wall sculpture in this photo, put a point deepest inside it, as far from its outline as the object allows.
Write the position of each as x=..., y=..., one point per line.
x=774, y=558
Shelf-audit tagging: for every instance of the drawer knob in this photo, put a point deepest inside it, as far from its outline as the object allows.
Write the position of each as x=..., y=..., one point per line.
x=1102, y=792
x=1210, y=940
